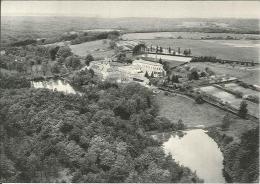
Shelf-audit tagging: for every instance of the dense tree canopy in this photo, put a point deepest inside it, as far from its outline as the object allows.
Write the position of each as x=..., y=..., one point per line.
x=96, y=137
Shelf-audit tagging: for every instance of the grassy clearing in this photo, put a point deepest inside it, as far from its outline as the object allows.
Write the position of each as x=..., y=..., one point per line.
x=95, y=48
x=246, y=75
x=192, y=114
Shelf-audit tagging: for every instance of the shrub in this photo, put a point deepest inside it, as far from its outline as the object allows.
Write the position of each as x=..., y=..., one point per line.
x=88, y=59
x=243, y=109
x=253, y=98
x=199, y=99
x=226, y=122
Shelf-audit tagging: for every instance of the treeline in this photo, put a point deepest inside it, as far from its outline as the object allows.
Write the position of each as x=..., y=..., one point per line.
x=13, y=82
x=242, y=159
x=212, y=59
x=97, y=137
x=85, y=37
x=240, y=150
x=40, y=60
x=23, y=43
x=74, y=38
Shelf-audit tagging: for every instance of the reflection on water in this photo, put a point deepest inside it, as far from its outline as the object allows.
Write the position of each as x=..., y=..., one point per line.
x=196, y=150
x=58, y=85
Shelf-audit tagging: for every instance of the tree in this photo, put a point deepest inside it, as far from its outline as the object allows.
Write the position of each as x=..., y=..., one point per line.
x=169, y=50
x=209, y=71
x=53, y=52
x=199, y=99
x=88, y=59
x=189, y=52
x=243, y=109
x=226, y=122
x=152, y=75
x=203, y=74
x=157, y=49
x=112, y=44
x=107, y=158
x=56, y=68
x=193, y=75
x=146, y=75
x=64, y=51
x=44, y=68
x=186, y=52
x=32, y=63
x=161, y=49
x=175, y=79
x=138, y=49
x=73, y=62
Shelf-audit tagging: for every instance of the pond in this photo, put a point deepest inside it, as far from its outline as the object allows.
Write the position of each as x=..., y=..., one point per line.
x=196, y=150
x=54, y=85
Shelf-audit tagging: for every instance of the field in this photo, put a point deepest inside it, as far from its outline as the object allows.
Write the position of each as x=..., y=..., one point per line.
x=185, y=35
x=234, y=101
x=15, y=28
x=96, y=48
x=245, y=91
x=239, y=50
x=192, y=114
x=250, y=76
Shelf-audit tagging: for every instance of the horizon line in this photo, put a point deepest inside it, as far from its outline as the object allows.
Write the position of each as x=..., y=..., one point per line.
x=100, y=17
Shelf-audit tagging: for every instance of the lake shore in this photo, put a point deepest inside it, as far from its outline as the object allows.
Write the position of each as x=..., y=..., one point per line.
x=229, y=140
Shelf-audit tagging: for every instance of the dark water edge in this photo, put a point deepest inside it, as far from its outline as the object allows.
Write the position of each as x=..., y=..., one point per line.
x=184, y=148
x=220, y=140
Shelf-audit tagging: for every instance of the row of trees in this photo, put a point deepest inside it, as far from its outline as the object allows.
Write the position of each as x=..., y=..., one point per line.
x=212, y=59
x=169, y=50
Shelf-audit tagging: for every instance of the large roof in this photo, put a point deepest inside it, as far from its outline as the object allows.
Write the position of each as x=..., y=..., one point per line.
x=141, y=61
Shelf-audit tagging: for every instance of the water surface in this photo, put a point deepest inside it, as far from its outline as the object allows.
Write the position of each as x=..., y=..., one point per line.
x=55, y=85
x=196, y=150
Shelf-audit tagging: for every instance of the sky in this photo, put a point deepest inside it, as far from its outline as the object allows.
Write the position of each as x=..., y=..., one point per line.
x=117, y=9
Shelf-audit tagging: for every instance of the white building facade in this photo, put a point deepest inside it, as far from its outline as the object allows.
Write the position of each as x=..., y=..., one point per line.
x=149, y=67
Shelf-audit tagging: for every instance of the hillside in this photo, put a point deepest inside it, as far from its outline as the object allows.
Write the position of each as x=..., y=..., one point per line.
x=18, y=28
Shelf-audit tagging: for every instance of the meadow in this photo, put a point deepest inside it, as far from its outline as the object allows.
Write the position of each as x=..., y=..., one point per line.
x=98, y=49
x=192, y=114
x=250, y=76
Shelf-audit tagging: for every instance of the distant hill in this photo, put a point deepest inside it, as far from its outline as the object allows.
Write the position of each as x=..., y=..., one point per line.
x=19, y=28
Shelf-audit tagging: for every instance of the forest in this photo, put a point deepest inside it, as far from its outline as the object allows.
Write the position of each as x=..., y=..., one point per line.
x=100, y=136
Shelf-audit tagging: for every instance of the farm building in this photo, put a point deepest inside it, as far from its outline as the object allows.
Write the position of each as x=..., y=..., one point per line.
x=149, y=67
x=132, y=73
x=105, y=69
x=118, y=72
x=126, y=45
